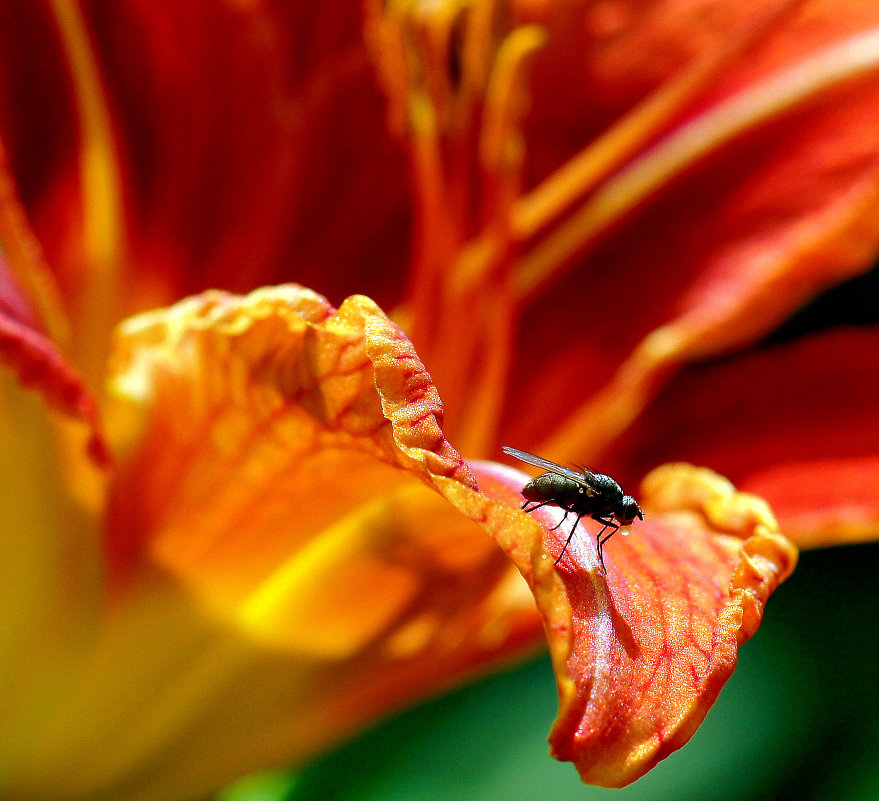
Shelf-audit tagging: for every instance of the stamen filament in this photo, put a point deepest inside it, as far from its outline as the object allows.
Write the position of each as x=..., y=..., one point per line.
x=102, y=222
x=480, y=361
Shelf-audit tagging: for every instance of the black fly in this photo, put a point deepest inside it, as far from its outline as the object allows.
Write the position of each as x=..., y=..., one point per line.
x=579, y=492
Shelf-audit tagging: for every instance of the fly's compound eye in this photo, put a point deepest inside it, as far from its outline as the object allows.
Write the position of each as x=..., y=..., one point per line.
x=629, y=510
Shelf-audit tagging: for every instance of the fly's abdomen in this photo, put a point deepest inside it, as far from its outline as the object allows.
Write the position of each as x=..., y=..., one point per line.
x=548, y=487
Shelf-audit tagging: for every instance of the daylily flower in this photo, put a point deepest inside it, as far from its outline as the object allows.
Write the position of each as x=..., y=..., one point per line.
x=241, y=527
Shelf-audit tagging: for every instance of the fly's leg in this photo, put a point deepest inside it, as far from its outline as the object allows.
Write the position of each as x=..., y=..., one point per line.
x=568, y=540
x=567, y=512
x=536, y=505
x=544, y=503
x=599, y=541
x=562, y=520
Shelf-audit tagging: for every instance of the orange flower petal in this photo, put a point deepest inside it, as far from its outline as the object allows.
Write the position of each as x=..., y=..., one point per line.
x=642, y=651
x=283, y=463
x=264, y=386
x=728, y=216
x=797, y=423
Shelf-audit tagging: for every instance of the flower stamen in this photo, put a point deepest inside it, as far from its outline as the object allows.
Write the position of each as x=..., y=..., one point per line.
x=460, y=100
x=100, y=177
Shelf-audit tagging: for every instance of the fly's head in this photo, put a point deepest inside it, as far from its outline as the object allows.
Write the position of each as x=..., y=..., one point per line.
x=628, y=510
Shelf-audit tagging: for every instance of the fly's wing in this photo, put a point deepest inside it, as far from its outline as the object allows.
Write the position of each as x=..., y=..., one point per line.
x=581, y=477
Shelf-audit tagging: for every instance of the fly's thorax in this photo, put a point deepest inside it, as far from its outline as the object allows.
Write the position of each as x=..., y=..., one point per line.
x=609, y=490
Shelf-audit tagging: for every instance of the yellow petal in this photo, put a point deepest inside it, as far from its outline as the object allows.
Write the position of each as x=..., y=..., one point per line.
x=50, y=558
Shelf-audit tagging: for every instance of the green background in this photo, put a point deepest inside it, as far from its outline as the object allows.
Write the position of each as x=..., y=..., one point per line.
x=798, y=719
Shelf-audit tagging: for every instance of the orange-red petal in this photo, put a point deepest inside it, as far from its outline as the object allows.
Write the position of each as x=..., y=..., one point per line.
x=675, y=263
x=236, y=139
x=642, y=651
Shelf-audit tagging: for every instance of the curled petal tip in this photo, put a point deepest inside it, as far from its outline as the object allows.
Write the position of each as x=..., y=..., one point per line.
x=650, y=643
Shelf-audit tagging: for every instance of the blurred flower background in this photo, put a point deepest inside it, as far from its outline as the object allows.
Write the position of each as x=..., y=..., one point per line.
x=616, y=233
